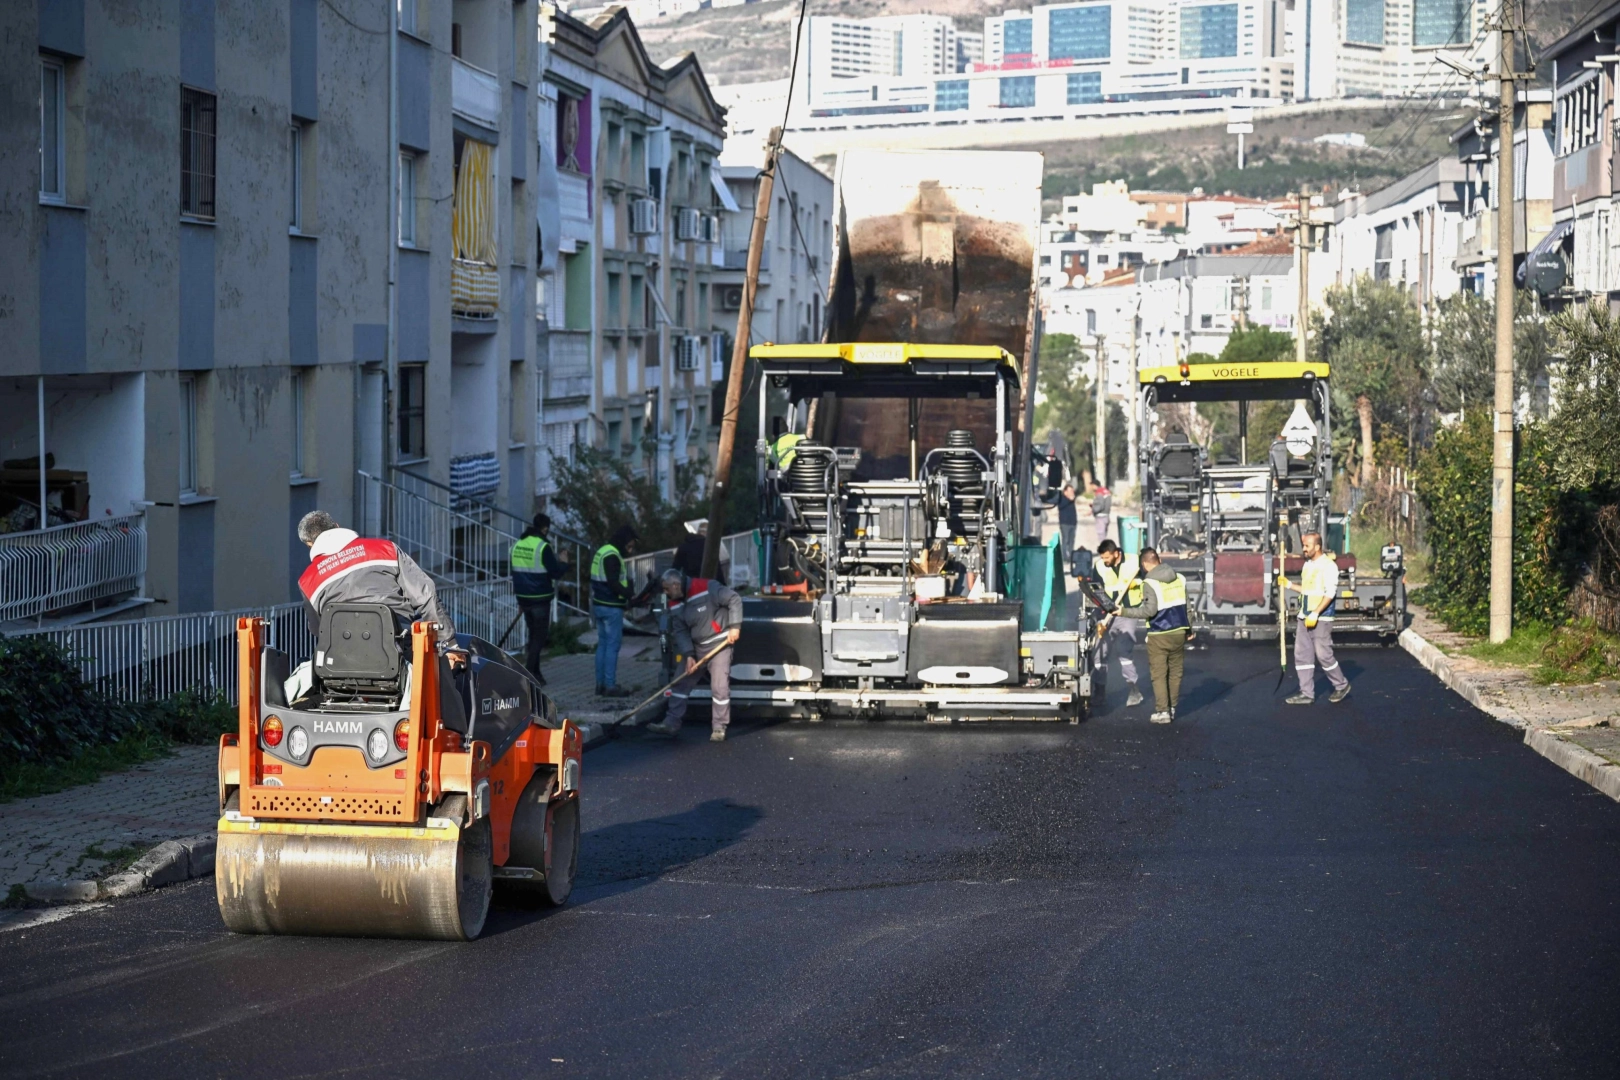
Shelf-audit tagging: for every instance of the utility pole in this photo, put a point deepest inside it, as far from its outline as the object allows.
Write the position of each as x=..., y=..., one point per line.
x=1100, y=466
x=1302, y=274
x=1502, y=416
x=739, y=359
x=1131, y=474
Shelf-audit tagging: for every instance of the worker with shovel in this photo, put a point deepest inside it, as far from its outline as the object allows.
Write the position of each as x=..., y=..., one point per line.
x=702, y=614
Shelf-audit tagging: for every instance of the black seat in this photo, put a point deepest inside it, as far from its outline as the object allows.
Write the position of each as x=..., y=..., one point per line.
x=357, y=652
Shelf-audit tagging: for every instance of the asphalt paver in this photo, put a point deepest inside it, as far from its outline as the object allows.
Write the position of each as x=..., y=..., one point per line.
x=1390, y=886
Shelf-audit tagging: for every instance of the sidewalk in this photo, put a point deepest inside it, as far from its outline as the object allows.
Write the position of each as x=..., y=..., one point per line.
x=63, y=847
x=1575, y=727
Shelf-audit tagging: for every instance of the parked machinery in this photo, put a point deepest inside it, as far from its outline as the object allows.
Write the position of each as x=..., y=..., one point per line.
x=1225, y=525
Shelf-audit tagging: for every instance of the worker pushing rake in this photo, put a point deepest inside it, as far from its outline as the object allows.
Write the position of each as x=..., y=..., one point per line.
x=706, y=617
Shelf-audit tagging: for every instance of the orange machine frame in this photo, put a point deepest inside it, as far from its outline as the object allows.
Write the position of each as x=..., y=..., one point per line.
x=338, y=786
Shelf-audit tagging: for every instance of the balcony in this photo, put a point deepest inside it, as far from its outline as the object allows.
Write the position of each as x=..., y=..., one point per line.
x=475, y=93
x=568, y=369
x=46, y=572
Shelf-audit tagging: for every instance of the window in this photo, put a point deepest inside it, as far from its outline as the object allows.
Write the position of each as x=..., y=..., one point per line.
x=522, y=407
x=615, y=292
x=638, y=301
x=680, y=304
x=1018, y=37
x=1206, y=322
x=1440, y=22
x=1081, y=33
x=1091, y=320
x=407, y=199
x=407, y=15
x=1018, y=92
x=188, y=435
x=1208, y=31
x=197, y=118
x=412, y=422
x=295, y=150
x=1364, y=22
x=51, y=158
x=1085, y=88
x=301, y=379
x=615, y=437
x=1265, y=298
x=701, y=316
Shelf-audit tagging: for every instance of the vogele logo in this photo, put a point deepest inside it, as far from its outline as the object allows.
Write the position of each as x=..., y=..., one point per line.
x=1230, y=372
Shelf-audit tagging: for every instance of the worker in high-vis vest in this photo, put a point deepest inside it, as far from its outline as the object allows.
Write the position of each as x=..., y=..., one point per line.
x=535, y=570
x=782, y=449
x=1120, y=576
x=1164, y=606
x=610, y=595
x=1313, y=633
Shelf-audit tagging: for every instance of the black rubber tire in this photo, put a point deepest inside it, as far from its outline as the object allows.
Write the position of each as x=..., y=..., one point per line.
x=563, y=856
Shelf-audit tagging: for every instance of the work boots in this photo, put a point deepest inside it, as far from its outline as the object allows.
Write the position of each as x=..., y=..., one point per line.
x=1340, y=694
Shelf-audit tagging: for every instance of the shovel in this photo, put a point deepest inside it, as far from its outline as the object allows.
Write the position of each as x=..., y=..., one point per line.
x=613, y=727
x=1282, y=630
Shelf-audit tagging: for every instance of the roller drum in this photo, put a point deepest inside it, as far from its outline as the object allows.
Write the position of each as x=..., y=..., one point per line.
x=356, y=885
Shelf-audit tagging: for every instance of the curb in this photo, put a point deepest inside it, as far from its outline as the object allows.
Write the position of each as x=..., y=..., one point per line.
x=168, y=863
x=1578, y=761
x=1438, y=663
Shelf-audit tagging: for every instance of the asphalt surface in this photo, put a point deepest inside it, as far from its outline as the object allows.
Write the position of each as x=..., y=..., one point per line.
x=1392, y=886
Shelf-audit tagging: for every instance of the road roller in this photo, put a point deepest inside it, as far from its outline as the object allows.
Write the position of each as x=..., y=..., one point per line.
x=379, y=792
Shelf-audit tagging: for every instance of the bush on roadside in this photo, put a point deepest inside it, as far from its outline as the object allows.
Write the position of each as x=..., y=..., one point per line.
x=1579, y=653
x=47, y=711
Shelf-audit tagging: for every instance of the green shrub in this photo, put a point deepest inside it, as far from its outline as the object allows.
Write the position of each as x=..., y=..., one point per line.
x=1579, y=653
x=190, y=716
x=47, y=711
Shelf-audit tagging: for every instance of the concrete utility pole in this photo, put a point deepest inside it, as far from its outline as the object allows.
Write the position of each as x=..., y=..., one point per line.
x=1502, y=417
x=1131, y=473
x=739, y=359
x=1101, y=420
x=1302, y=274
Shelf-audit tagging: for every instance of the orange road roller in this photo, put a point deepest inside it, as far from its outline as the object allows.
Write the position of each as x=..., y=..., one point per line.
x=378, y=792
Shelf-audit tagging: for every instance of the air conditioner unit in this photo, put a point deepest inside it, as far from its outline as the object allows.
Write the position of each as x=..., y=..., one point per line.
x=688, y=352
x=688, y=224
x=731, y=297
x=643, y=217
x=711, y=229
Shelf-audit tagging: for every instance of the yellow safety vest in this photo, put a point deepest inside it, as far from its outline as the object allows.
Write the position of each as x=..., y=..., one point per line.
x=783, y=449
x=1116, y=580
x=1172, y=613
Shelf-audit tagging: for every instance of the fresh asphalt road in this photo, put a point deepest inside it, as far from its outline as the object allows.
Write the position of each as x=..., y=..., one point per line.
x=1392, y=886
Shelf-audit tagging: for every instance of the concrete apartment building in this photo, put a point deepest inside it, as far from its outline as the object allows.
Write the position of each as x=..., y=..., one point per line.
x=630, y=250
x=208, y=208
x=796, y=262
x=1585, y=185
x=1408, y=233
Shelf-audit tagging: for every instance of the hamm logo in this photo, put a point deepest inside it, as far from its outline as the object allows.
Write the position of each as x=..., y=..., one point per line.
x=337, y=727
x=496, y=704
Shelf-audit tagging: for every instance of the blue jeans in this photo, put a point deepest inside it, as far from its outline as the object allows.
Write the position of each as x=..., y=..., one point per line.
x=609, y=634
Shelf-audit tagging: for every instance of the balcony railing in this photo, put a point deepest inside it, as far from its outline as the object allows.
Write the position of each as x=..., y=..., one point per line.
x=48, y=570
x=475, y=93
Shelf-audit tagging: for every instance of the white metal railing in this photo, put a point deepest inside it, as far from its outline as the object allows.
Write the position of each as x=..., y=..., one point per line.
x=739, y=561
x=147, y=659
x=475, y=93
x=50, y=569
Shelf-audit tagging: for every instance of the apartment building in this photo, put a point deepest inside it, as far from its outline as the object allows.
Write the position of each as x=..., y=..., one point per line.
x=210, y=208
x=630, y=250
x=795, y=264
x=1385, y=48
x=1408, y=233
x=1535, y=188
x=1585, y=187
x=910, y=46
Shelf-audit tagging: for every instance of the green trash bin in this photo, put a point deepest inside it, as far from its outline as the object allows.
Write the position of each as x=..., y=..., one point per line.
x=1034, y=575
x=1131, y=532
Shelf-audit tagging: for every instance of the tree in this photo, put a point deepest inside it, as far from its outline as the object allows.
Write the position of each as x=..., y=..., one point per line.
x=1246, y=345
x=1586, y=439
x=1464, y=369
x=1372, y=335
x=1067, y=402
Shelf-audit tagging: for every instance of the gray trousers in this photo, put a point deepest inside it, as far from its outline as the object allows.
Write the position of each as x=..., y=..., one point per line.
x=1066, y=531
x=719, y=672
x=1313, y=652
x=1121, y=642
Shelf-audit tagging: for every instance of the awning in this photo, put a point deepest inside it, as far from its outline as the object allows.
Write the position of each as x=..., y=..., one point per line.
x=1553, y=239
x=722, y=192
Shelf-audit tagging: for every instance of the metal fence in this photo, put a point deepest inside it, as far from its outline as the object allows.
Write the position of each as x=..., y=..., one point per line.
x=739, y=561
x=147, y=659
x=49, y=569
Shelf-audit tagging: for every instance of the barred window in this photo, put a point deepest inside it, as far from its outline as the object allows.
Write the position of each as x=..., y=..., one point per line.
x=1579, y=115
x=198, y=111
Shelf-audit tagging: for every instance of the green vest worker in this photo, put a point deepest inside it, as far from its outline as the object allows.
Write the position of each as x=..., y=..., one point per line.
x=1164, y=606
x=783, y=450
x=535, y=570
x=610, y=595
x=1120, y=575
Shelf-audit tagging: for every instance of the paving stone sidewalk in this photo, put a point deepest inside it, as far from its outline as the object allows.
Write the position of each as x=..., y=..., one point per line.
x=53, y=838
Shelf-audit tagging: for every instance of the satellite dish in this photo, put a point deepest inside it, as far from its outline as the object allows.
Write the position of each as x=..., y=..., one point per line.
x=1300, y=432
